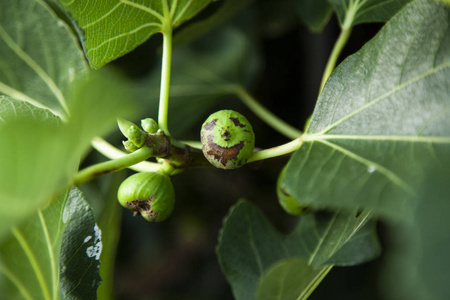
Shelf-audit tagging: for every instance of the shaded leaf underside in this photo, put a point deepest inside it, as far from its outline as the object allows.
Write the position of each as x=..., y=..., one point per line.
x=382, y=119
x=249, y=245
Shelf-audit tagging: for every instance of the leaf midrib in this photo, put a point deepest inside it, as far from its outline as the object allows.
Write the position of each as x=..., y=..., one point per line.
x=391, y=138
x=16, y=281
x=321, y=240
x=33, y=261
x=394, y=178
x=51, y=255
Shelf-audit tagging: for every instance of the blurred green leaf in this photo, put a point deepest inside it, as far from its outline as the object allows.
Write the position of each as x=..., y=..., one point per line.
x=418, y=266
x=249, y=245
x=202, y=72
x=125, y=24
x=38, y=158
x=432, y=227
x=353, y=12
x=80, y=250
x=381, y=121
x=314, y=13
x=30, y=256
x=290, y=279
x=11, y=109
x=40, y=57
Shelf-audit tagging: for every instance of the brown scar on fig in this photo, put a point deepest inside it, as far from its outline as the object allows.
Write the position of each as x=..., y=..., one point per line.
x=137, y=206
x=210, y=125
x=223, y=154
x=226, y=135
x=236, y=122
x=284, y=192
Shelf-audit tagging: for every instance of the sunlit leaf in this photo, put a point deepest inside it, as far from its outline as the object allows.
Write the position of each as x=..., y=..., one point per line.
x=39, y=58
x=30, y=256
x=114, y=28
x=249, y=245
x=382, y=120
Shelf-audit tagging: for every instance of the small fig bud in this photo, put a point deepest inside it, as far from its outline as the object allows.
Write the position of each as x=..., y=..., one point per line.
x=129, y=146
x=149, y=125
x=124, y=126
x=137, y=136
x=286, y=200
x=150, y=195
x=227, y=139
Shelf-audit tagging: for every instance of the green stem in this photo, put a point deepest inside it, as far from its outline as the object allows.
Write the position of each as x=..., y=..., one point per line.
x=193, y=144
x=267, y=116
x=277, y=151
x=112, y=152
x=97, y=170
x=337, y=49
x=165, y=80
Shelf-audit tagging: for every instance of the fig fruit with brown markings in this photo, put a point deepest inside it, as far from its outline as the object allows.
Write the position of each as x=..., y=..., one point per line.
x=148, y=194
x=227, y=139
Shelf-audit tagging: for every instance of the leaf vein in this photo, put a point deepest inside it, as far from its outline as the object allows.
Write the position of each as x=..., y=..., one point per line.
x=33, y=261
x=183, y=11
x=144, y=8
x=16, y=281
x=126, y=34
x=253, y=246
x=386, y=172
x=321, y=240
x=50, y=253
x=102, y=17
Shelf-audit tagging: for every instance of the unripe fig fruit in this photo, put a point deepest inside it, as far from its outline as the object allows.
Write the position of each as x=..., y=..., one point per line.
x=286, y=200
x=227, y=139
x=150, y=195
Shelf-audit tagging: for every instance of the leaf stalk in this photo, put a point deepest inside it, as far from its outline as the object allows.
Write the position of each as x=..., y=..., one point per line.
x=165, y=80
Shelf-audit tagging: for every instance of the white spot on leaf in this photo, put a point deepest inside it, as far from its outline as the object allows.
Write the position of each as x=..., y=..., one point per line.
x=87, y=239
x=96, y=249
x=371, y=169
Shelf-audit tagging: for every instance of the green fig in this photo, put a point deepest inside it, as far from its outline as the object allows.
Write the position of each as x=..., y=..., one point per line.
x=227, y=139
x=149, y=194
